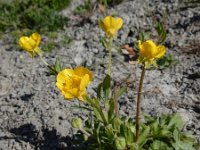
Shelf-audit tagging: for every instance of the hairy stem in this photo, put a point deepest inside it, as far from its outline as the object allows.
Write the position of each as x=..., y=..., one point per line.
x=138, y=102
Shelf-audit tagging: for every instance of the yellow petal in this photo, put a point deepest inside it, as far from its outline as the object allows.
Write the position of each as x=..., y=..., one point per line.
x=84, y=82
x=82, y=95
x=59, y=85
x=107, y=21
x=148, y=49
x=68, y=95
x=73, y=92
x=25, y=44
x=118, y=23
x=36, y=37
x=81, y=71
x=68, y=72
x=61, y=77
x=160, y=51
x=64, y=78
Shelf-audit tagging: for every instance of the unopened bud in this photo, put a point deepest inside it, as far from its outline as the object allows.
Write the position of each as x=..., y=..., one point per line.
x=76, y=123
x=120, y=143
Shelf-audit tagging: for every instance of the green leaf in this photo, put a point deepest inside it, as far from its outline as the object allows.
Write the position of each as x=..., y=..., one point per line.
x=120, y=92
x=143, y=36
x=176, y=121
x=120, y=143
x=117, y=123
x=180, y=145
x=161, y=32
x=131, y=125
x=143, y=135
x=159, y=145
x=186, y=146
x=106, y=86
x=104, y=42
x=166, y=62
x=111, y=110
x=98, y=91
x=97, y=114
x=98, y=133
x=154, y=128
x=58, y=65
x=95, y=104
x=164, y=132
x=106, y=91
x=109, y=131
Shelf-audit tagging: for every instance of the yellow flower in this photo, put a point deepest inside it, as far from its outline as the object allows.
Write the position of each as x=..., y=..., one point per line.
x=73, y=83
x=110, y=25
x=149, y=52
x=30, y=44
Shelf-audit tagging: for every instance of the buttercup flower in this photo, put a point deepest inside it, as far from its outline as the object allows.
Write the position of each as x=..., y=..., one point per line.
x=110, y=25
x=30, y=44
x=149, y=52
x=73, y=83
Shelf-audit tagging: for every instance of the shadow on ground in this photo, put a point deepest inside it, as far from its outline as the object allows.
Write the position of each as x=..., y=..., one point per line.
x=42, y=140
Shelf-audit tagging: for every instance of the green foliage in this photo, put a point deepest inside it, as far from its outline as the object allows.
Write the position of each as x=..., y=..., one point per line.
x=143, y=36
x=156, y=133
x=40, y=15
x=48, y=46
x=104, y=130
x=109, y=2
x=162, y=35
x=165, y=62
x=84, y=8
x=57, y=67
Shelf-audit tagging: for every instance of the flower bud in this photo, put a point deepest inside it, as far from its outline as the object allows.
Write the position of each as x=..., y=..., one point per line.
x=110, y=25
x=120, y=143
x=76, y=123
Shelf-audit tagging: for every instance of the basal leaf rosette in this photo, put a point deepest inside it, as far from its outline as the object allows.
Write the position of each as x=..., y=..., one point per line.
x=149, y=52
x=73, y=82
x=31, y=44
x=111, y=25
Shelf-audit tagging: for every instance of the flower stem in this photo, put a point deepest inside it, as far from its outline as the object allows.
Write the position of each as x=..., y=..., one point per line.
x=46, y=64
x=110, y=55
x=138, y=102
x=43, y=61
x=84, y=132
x=98, y=108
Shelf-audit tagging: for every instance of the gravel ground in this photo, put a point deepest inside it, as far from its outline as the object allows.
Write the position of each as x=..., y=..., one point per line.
x=34, y=115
